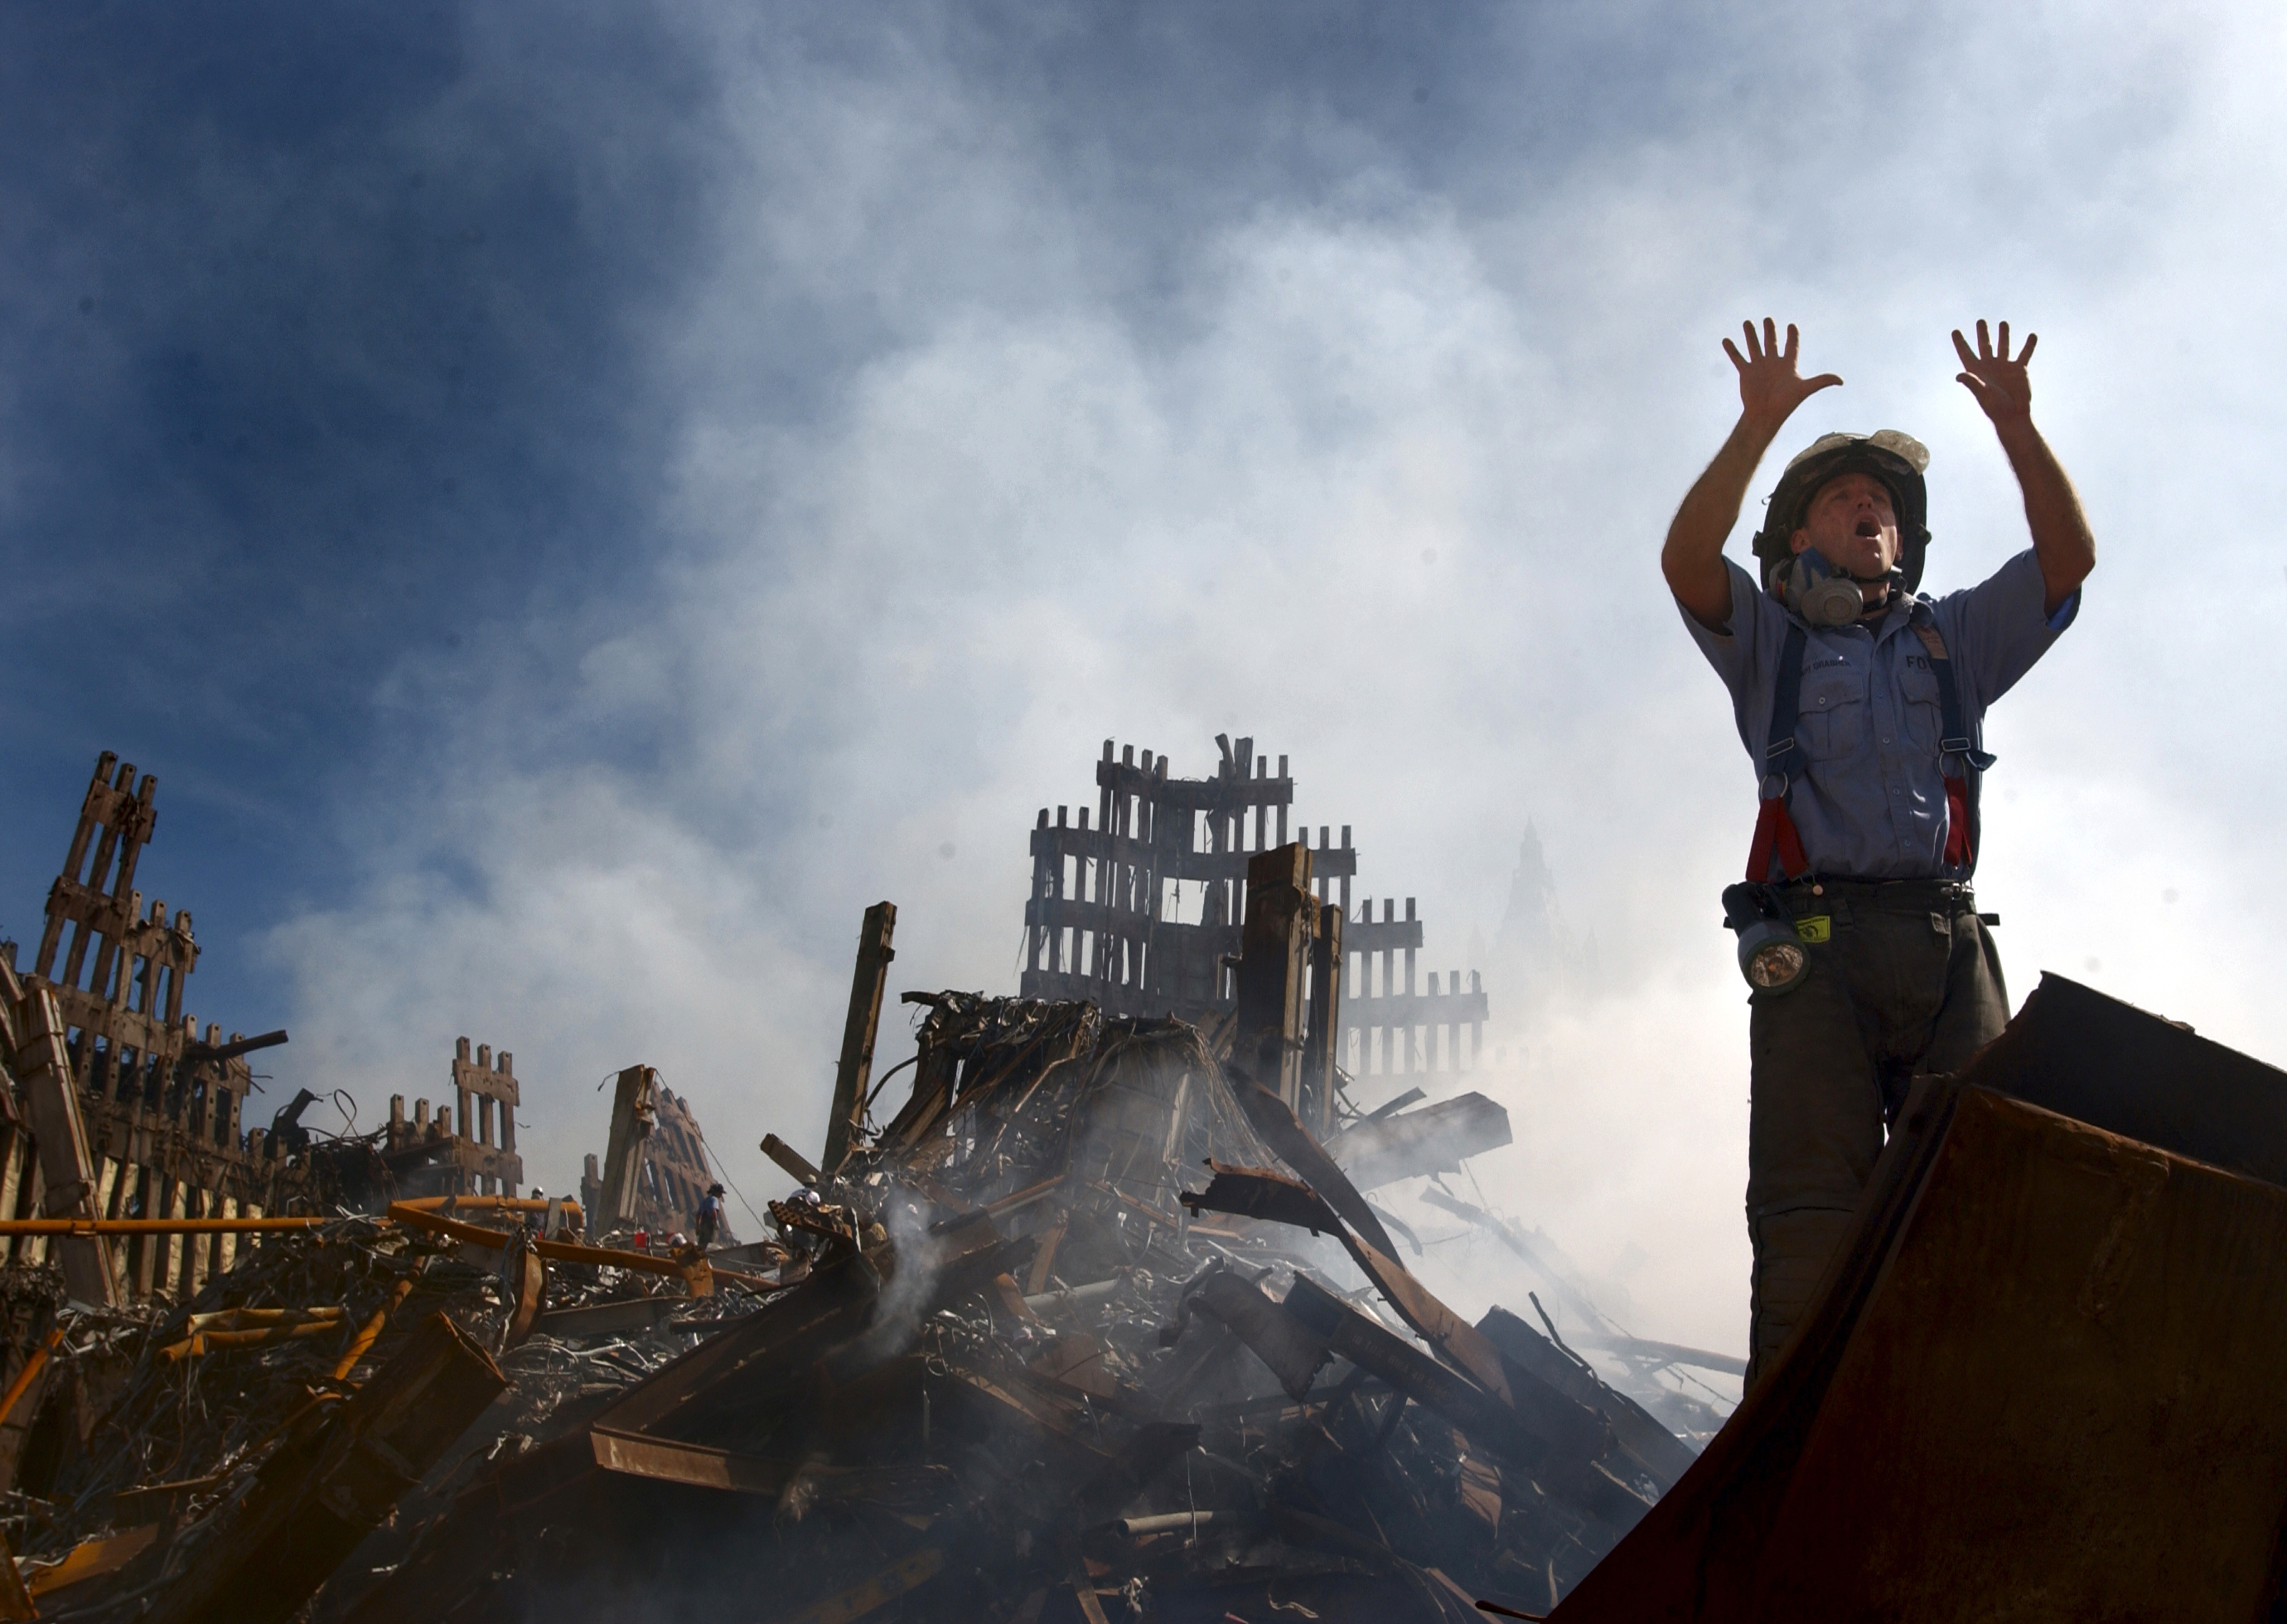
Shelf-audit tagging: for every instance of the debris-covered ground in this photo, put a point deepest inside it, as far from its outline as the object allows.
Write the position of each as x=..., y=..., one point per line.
x=154, y=1424
x=1091, y=1327
x=1018, y=1379
x=1100, y=1320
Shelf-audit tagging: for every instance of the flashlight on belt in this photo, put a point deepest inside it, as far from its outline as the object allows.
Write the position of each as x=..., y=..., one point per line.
x=1771, y=956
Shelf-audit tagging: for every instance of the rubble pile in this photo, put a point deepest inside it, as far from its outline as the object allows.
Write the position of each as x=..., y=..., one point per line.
x=156, y=1422
x=1099, y=1322
x=1019, y=1376
x=1096, y=1321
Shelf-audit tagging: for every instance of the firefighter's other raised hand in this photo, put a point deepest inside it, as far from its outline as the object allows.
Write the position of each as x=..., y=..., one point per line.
x=1769, y=387
x=2000, y=384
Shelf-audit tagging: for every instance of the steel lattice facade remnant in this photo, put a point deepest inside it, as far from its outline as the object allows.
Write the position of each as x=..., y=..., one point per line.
x=159, y=1108
x=1109, y=917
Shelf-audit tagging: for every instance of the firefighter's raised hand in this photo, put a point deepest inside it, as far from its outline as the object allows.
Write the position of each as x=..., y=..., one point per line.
x=1770, y=390
x=2001, y=385
x=2062, y=541
x=1769, y=387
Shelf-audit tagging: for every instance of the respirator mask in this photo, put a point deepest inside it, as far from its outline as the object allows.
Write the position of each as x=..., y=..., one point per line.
x=1823, y=595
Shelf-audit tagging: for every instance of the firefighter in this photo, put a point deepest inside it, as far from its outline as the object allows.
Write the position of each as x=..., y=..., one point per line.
x=709, y=1219
x=1861, y=705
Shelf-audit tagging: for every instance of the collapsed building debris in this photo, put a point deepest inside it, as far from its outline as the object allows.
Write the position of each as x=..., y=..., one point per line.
x=655, y=1168
x=1101, y=1321
x=425, y=1156
x=1103, y=922
x=1010, y=1251
x=236, y=1448
x=133, y=1113
x=1035, y=1359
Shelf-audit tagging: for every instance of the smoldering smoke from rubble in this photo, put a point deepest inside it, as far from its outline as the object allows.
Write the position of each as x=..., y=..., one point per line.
x=921, y=1262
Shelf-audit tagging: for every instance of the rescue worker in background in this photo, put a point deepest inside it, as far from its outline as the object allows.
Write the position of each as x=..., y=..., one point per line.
x=1861, y=706
x=709, y=1217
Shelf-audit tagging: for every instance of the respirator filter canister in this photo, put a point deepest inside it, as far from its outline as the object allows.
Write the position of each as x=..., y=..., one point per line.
x=1821, y=594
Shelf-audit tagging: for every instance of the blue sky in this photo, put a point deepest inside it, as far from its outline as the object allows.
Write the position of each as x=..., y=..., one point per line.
x=575, y=503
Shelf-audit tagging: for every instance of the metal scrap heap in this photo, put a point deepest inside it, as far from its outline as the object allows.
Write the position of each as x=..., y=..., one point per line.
x=1100, y=1324
x=167, y=1440
x=1062, y=1343
x=1094, y=1324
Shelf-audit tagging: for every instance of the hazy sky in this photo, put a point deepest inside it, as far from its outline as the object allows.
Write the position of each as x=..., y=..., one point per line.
x=576, y=502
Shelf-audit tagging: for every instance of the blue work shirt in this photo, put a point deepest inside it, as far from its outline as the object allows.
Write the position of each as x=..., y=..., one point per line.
x=1870, y=804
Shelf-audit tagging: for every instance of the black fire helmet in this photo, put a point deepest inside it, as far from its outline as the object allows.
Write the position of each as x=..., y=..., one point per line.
x=1895, y=458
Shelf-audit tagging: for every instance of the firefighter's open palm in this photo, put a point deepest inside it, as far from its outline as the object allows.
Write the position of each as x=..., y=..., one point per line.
x=2002, y=385
x=1769, y=387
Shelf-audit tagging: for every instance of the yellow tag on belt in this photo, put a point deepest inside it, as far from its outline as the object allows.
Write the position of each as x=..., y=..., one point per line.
x=1817, y=928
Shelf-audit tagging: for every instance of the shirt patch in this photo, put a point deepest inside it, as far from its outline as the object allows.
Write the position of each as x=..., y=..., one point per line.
x=1815, y=927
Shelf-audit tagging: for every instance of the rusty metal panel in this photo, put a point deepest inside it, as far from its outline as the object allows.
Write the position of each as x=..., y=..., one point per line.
x=2129, y=1072
x=1437, y=1138
x=2042, y=1385
x=324, y=1489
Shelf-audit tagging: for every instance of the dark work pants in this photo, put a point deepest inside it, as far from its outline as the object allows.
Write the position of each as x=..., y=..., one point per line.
x=1909, y=982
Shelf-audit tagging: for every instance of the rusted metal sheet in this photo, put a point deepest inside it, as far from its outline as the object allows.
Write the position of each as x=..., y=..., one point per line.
x=322, y=1491
x=1259, y=1193
x=2108, y=1064
x=2041, y=1383
x=1291, y=1353
x=905, y=1575
x=1435, y=1139
x=89, y=1559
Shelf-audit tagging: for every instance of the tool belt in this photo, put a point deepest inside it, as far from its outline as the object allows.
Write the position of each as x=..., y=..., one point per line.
x=1814, y=894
